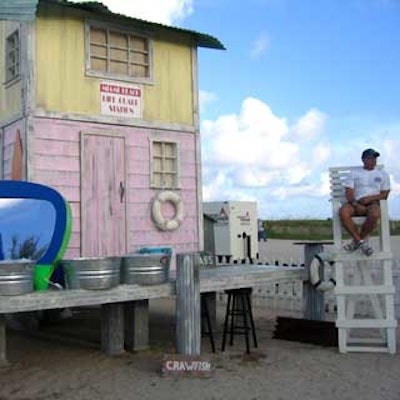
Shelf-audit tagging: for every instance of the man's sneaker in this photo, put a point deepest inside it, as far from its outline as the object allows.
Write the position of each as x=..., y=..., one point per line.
x=365, y=249
x=358, y=244
x=352, y=246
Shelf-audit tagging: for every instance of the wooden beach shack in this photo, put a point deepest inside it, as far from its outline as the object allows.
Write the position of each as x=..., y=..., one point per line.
x=104, y=108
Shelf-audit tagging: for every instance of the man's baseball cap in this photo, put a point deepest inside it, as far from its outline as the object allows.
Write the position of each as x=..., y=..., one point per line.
x=369, y=153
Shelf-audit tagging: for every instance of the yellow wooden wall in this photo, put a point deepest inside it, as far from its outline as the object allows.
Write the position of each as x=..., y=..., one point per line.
x=10, y=96
x=62, y=85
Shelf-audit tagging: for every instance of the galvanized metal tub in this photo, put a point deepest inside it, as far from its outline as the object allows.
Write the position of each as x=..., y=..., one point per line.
x=145, y=269
x=16, y=277
x=92, y=272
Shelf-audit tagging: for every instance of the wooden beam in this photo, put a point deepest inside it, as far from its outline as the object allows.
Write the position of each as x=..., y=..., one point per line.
x=112, y=328
x=188, y=338
x=136, y=325
x=3, y=341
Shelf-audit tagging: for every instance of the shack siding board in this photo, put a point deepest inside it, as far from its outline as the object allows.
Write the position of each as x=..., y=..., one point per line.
x=64, y=163
x=68, y=178
x=139, y=195
x=59, y=36
x=60, y=148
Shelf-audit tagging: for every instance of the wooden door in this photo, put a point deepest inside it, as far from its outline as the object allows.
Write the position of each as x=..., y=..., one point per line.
x=103, y=195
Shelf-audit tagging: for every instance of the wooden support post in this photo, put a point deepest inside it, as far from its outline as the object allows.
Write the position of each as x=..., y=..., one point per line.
x=211, y=300
x=313, y=300
x=3, y=341
x=188, y=339
x=112, y=328
x=136, y=325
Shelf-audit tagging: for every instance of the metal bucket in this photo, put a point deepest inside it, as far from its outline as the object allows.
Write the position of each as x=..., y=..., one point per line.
x=145, y=269
x=91, y=272
x=16, y=277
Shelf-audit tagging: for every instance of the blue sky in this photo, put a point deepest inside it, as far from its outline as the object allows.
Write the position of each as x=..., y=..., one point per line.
x=303, y=85
x=26, y=218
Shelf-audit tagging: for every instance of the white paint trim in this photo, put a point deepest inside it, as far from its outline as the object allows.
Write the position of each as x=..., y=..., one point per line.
x=10, y=121
x=29, y=97
x=41, y=113
x=29, y=149
x=197, y=144
x=31, y=68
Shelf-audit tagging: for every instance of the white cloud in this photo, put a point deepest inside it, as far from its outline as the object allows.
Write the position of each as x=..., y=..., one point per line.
x=252, y=177
x=8, y=203
x=260, y=45
x=252, y=138
x=296, y=174
x=206, y=98
x=256, y=156
x=167, y=12
x=310, y=126
x=320, y=154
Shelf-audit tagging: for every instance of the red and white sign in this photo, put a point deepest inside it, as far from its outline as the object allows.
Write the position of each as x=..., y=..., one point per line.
x=121, y=100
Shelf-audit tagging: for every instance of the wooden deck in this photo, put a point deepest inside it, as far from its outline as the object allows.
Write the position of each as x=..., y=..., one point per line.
x=213, y=279
x=237, y=276
x=125, y=307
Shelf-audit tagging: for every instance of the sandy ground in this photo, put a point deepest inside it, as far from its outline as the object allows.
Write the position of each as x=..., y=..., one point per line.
x=63, y=361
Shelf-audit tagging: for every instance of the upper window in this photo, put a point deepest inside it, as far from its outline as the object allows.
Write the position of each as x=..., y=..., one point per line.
x=115, y=53
x=12, y=56
x=165, y=165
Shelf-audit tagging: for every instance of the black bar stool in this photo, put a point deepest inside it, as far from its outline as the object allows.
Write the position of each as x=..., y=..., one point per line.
x=206, y=326
x=238, y=309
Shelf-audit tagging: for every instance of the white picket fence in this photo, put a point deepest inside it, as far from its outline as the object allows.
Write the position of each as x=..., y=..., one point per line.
x=289, y=295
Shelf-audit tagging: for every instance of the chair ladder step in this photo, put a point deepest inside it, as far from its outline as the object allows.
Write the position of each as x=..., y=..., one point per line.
x=356, y=290
x=366, y=323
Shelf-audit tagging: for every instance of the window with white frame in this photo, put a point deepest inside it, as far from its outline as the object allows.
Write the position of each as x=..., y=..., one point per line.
x=12, y=57
x=165, y=165
x=117, y=53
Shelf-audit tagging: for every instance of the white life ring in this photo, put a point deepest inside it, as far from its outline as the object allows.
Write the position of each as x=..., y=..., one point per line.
x=156, y=211
x=319, y=260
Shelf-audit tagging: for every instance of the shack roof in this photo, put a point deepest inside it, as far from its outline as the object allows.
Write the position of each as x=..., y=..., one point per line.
x=26, y=10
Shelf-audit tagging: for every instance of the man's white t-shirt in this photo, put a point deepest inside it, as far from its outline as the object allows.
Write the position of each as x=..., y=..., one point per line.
x=367, y=182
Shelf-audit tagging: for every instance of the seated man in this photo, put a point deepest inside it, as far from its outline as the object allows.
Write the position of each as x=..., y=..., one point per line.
x=363, y=190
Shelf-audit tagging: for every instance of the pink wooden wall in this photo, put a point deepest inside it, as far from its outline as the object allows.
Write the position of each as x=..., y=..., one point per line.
x=8, y=146
x=57, y=164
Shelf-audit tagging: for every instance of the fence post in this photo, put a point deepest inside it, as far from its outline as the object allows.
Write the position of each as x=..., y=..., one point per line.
x=3, y=341
x=188, y=304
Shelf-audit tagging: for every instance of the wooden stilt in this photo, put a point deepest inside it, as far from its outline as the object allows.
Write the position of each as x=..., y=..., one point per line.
x=112, y=328
x=188, y=319
x=136, y=325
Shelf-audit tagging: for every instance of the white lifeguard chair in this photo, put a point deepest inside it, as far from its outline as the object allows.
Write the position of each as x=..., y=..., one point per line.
x=362, y=278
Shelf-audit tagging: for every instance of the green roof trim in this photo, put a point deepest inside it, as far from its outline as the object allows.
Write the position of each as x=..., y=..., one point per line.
x=18, y=10
x=202, y=39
